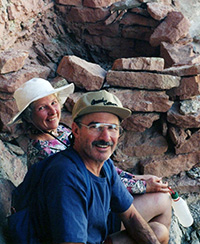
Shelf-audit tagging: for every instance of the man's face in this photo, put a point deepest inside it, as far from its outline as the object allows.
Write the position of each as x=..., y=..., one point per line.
x=92, y=144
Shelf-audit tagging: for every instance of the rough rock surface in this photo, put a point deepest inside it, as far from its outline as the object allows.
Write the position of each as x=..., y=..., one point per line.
x=151, y=44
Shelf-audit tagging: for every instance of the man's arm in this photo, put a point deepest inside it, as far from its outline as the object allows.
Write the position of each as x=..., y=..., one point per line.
x=71, y=243
x=137, y=228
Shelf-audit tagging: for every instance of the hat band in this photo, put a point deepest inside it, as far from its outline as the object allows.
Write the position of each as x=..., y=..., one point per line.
x=103, y=101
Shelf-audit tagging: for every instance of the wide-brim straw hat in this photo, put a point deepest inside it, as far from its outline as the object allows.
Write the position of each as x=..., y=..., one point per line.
x=35, y=89
x=99, y=101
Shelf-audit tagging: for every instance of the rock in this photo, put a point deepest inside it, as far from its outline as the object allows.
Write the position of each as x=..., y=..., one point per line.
x=139, y=121
x=173, y=27
x=148, y=143
x=85, y=15
x=190, y=145
x=127, y=4
x=140, y=63
x=185, y=70
x=141, y=33
x=183, y=120
x=10, y=82
x=11, y=60
x=98, y=3
x=70, y=2
x=184, y=184
x=169, y=165
x=143, y=101
x=178, y=135
x=135, y=19
x=142, y=80
x=82, y=73
x=11, y=167
x=190, y=106
x=6, y=188
x=188, y=88
x=176, y=53
x=158, y=11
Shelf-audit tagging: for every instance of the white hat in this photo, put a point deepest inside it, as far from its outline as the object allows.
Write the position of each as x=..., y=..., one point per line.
x=35, y=89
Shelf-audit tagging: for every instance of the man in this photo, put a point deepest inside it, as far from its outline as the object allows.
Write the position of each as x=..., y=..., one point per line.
x=79, y=187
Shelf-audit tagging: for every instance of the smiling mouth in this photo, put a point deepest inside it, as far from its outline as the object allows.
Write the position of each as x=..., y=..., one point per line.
x=52, y=119
x=102, y=144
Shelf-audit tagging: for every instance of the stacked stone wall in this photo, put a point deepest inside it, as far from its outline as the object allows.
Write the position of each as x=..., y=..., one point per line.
x=141, y=51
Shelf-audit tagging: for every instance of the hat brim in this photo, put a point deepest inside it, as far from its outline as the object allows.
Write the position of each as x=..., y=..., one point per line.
x=62, y=93
x=122, y=113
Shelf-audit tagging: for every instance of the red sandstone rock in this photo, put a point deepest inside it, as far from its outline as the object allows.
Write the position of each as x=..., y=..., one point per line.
x=175, y=53
x=169, y=165
x=82, y=73
x=191, y=120
x=185, y=184
x=178, y=135
x=142, y=80
x=11, y=60
x=135, y=19
x=189, y=87
x=12, y=167
x=71, y=100
x=7, y=110
x=139, y=121
x=105, y=30
x=158, y=11
x=70, y=2
x=10, y=82
x=147, y=143
x=166, y=2
x=173, y=27
x=142, y=33
x=98, y=3
x=111, y=18
x=87, y=15
x=184, y=70
x=124, y=5
x=6, y=187
x=140, y=63
x=143, y=101
x=195, y=59
x=191, y=144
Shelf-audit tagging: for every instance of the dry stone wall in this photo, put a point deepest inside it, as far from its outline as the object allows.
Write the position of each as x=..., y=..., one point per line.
x=140, y=50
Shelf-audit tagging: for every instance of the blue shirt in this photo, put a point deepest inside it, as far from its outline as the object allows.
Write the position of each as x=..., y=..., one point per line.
x=63, y=210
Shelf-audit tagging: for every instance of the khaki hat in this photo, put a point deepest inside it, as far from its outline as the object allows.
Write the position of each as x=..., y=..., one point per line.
x=35, y=89
x=100, y=101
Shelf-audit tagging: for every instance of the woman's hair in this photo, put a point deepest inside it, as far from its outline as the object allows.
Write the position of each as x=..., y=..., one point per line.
x=27, y=123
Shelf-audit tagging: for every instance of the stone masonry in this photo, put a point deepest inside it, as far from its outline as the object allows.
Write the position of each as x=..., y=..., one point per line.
x=140, y=50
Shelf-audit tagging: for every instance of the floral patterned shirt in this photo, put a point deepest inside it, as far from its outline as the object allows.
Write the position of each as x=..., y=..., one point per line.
x=39, y=150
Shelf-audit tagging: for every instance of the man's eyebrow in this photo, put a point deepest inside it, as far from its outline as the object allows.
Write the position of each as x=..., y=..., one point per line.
x=93, y=122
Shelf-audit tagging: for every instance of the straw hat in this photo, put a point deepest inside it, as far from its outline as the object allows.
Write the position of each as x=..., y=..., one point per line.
x=100, y=101
x=35, y=89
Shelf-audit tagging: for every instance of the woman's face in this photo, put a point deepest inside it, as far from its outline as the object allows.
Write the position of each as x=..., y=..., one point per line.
x=46, y=113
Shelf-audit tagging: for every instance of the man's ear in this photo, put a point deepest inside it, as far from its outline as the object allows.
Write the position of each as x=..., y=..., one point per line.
x=75, y=129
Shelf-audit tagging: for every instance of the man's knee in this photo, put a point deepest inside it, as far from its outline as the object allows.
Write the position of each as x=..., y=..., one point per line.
x=160, y=231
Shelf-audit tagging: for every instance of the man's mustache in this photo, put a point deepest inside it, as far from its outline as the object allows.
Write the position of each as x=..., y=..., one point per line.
x=102, y=142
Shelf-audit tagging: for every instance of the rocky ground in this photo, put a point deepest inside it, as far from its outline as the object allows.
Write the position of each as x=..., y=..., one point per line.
x=162, y=135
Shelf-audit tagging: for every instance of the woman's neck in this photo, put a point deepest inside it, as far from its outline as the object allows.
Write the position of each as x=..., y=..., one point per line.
x=43, y=136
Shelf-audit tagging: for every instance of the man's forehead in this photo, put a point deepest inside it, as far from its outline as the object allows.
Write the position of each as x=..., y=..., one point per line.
x=100, y=117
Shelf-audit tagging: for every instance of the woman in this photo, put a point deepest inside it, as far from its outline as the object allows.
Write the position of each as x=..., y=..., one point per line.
x=40, y=111
x=39, y=107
